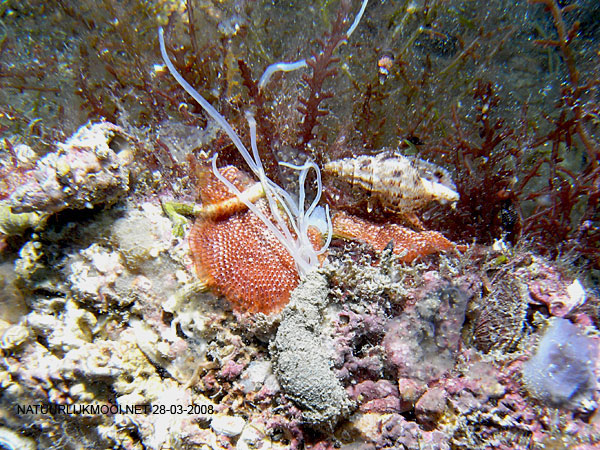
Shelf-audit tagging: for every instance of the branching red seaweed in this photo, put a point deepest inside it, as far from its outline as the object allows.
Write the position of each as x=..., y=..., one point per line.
x=320, y=64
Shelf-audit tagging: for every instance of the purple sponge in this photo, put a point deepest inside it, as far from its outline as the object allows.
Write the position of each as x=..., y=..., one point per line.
x=562, y=370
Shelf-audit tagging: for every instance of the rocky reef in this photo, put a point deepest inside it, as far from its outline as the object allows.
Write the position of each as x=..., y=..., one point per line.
x=451, y=350
x=440, y=286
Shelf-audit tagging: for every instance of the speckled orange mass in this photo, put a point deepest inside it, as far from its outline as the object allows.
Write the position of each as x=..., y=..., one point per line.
x=237, y=255
x=415, y=244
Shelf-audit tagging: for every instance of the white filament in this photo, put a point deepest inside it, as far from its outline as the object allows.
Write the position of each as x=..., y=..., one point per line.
x=288, y=67
x=280, y=67
x=357, y=18
x=299, y=246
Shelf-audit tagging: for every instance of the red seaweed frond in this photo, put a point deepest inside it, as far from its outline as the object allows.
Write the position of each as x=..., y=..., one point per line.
x=484, y=177
x=573, y=94
x=565, y=214
x=320, y=64
x=264, y=122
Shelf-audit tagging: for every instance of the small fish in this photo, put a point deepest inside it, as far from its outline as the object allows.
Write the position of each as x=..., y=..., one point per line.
x=399, y=183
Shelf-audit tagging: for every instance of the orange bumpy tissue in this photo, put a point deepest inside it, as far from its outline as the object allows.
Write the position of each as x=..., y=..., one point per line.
x=409, y=244
x=234, y=251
